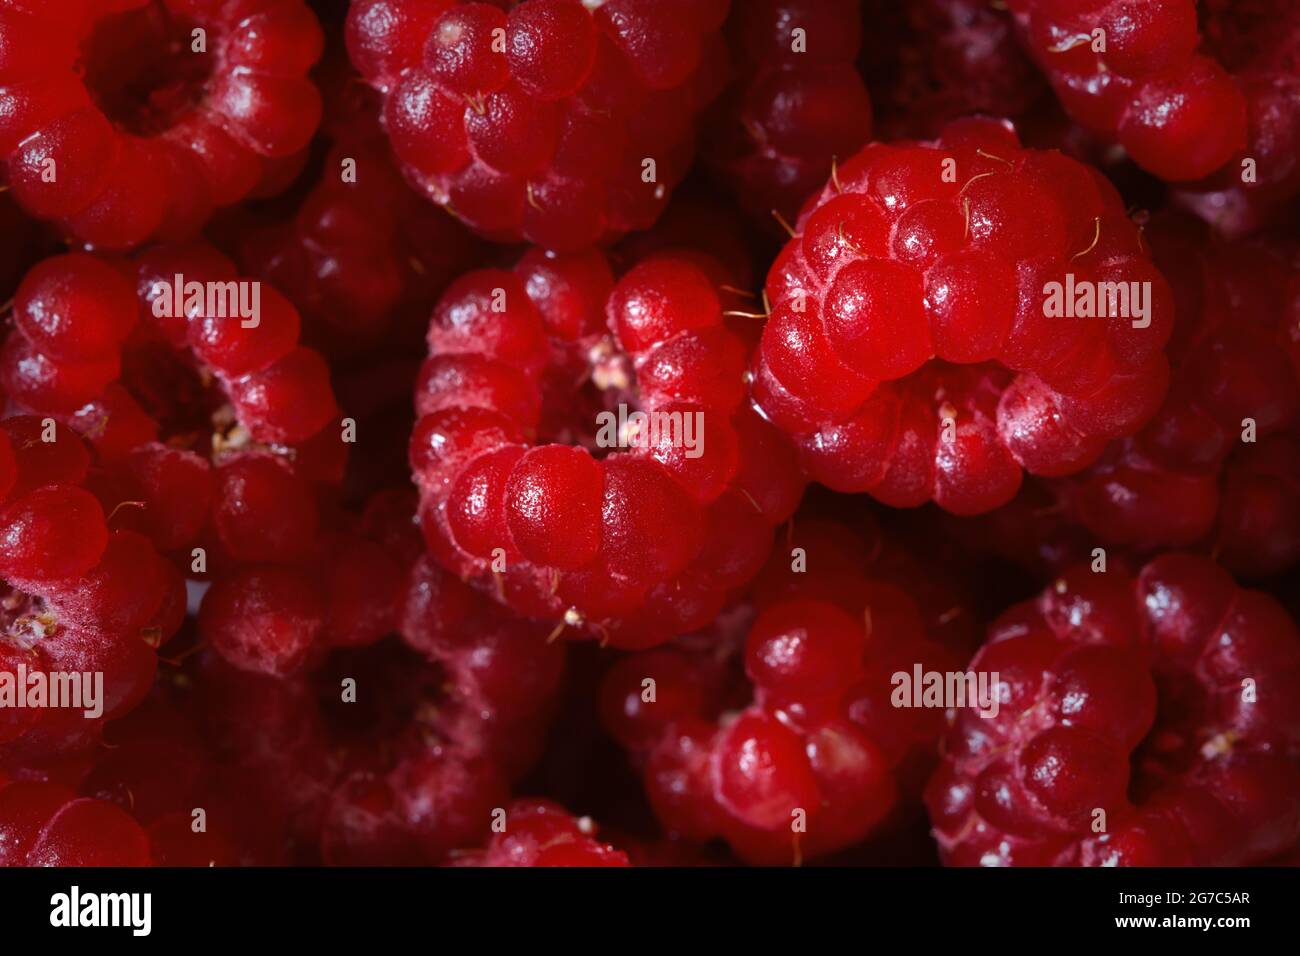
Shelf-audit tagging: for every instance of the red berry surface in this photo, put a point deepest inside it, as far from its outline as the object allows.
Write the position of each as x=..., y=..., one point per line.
x=525, y=486
x=1144, y=721
x=585, y=433
x=126, y=121
x=541, y=833
x=1138, y=73
x=910, y=349
x=362, y=262
x=1218, y=462
x=929, y=62
x=378, y=706
x=553, y=121
x=1200, y=93
x=44, y=824
x=80, y=603
x=800, y=753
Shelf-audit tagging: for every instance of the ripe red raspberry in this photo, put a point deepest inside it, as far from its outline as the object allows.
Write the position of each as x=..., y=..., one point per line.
x=911, y=347
x=542, y=833
x=929, y=62
x=212, y=431
x=519, y=490
x=1183, y=97
x=803, y=754
x=76, y=316
x=537, y=123
x=413, y=767
x=797, y=105
x=1142, y=722
x=77, y=598
x=44, y=824
x=1217, y=463
x=117, y=128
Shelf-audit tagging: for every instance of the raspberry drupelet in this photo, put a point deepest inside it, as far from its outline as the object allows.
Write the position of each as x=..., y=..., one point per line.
x=339, y=586
x=46, y=824
x=799, y=103
x=802, y=754
x=526, y=367
x=542, y=833
x=556, y=122
x=911, y=347
x=77, y=598
x=1218, y=465
x=1143, y=722
x=126, y=120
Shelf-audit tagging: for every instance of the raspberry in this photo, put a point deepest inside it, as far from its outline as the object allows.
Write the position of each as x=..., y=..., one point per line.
x=1143, y=722
x=817, y=758
x=456, y=712
x=44, y=824
x=541, y=833
x=798, y=104
x=1182, y=99
x=144, y=135
x=536, y=124
x=568, y=531
x=909, y=347
x=74, y=315
x=1191, y=469
x=77, y=597
x=211, y=429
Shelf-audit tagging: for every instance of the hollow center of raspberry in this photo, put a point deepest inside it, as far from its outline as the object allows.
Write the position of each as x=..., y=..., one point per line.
x=1183, y=737
x=173, y=393
x=24, y=619
x=604, y=406
x=396, y=699
x=145, y=69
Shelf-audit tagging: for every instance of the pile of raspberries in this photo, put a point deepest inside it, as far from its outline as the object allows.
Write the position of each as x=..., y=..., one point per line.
x=650, y=432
